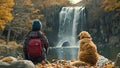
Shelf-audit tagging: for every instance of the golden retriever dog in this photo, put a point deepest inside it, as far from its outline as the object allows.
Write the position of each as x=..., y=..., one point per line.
x=87, y=50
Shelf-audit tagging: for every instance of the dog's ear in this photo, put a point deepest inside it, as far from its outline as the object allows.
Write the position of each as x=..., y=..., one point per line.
x=78, y=37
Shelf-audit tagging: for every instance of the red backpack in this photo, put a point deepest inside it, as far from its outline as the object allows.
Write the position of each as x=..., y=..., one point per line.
x=34, y=48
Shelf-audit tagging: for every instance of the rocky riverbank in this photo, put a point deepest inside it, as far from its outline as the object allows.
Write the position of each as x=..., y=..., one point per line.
x=12, y=62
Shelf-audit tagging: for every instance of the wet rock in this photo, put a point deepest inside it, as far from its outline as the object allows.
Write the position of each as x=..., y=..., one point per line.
x=66, y=44
x=117, y=61
x=4, y=65
x=17, y=64
x=102, y=60
x=22, y=64
x=11, y=62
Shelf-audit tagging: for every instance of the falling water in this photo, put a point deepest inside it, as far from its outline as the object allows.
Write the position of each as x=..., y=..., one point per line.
x=69, y=18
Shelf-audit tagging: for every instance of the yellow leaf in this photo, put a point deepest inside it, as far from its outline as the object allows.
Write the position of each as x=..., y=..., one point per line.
x=5, y=12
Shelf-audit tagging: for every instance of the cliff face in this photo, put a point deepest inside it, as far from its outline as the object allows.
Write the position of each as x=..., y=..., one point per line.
x=104, y=28
x=52, y=23
x=106, y=33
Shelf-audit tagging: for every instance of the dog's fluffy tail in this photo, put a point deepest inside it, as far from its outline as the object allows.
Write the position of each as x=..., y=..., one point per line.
x=78, y=63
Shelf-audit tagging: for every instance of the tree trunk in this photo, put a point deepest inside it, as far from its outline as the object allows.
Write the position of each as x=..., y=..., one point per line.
x=8, y=36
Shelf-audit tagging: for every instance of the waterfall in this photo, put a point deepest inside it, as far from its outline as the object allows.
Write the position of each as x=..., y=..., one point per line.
x=69, y=18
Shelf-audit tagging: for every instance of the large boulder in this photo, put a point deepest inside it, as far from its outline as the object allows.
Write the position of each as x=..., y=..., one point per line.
x=17, y=64
x=102, y=60
x=11, y=62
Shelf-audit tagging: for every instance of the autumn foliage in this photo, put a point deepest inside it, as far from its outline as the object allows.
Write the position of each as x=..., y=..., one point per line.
x=67, y=64
x=109, y=5
x=5, y=12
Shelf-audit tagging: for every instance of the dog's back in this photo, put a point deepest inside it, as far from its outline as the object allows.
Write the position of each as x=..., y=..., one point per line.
x=86, y=44
x=88, y=50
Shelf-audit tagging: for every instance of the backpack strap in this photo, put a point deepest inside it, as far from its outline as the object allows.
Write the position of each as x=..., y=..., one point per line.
x=43, y=40
x=33, y=34
x=41, y=37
